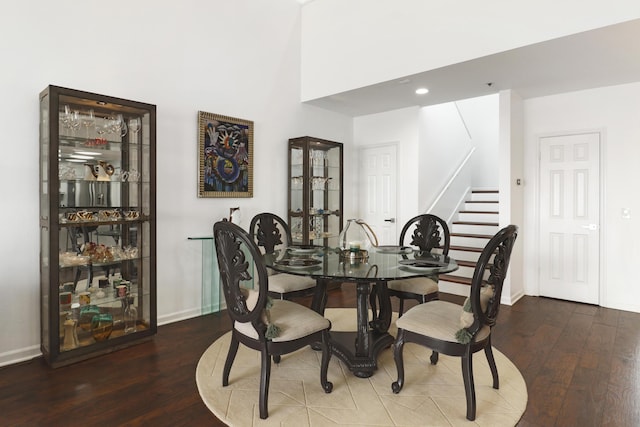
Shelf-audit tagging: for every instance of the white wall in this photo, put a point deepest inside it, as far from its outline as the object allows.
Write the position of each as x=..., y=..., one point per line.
x=448, y=132
x=615, y=111
x=511, y=168
x=432, y=142
x=400, y=127
x=396, y=38
x=239, y=58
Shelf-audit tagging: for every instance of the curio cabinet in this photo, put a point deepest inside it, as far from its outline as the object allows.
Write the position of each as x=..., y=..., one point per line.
x=97, y=223
x=315, y=191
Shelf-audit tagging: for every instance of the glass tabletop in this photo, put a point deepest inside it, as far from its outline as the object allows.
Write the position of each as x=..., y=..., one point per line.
x=379, y=265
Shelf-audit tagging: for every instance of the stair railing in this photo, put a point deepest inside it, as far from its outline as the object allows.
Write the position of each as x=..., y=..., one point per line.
x=446, y=203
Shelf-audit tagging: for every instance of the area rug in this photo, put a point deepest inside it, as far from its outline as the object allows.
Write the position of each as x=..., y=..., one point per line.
x=432, y=395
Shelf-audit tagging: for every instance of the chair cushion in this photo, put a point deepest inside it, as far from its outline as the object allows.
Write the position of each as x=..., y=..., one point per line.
x=283, y=283
x=436, y=319
x=294, y=320
x=415, y=285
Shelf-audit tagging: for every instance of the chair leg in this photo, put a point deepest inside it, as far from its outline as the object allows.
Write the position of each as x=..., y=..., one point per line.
x=231, y=355
x=401, y=308
x=276, y=358
x=469, y=387
x=265, y=374
x=398, y=346
x=434, y=357
x=324, y=365
x=492, y=365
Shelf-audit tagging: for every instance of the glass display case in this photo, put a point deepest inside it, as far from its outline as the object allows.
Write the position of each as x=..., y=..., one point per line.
x=97, y=224
x=315, y=191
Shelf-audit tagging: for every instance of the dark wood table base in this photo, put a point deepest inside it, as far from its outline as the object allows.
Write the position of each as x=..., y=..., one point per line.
x=359, y=349
x=344, y=343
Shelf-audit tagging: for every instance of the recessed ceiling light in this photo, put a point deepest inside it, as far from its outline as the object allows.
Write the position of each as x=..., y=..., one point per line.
x=422, y=91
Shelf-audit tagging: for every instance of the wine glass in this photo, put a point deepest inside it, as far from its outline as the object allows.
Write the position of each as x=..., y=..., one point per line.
x=134, y=124
x=74, y=120
x=134, y=127
x=88, y=120
x=123, y=125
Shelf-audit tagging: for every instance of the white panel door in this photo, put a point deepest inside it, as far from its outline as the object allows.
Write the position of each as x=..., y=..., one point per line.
x=570, y=217
x=378, y=191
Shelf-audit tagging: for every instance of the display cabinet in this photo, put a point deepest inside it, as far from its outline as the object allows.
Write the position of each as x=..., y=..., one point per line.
x=315, y=191
x=97, y=224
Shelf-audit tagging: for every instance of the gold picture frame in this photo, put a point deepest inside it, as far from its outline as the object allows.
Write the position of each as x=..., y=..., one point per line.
x=225, y=156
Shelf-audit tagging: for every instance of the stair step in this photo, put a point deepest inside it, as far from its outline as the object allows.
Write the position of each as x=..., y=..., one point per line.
x=479, y=212
x=464, y=263
x=474, y=227
x=464, y=248
x=464, y=253
x=493, y=224
x=472, y=235
x=455, y=279
x=484, y=195
x=481, y=205
x=473, y=240
x=477, y=216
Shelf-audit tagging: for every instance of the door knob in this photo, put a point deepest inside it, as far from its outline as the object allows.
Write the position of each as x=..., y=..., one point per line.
x=391, y=220
x=592, y=227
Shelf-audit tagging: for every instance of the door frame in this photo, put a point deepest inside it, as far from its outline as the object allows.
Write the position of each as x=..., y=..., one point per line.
x=396, y=145
x=603, y=224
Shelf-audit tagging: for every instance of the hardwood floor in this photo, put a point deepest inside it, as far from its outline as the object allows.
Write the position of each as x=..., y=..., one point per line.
x=580, y=363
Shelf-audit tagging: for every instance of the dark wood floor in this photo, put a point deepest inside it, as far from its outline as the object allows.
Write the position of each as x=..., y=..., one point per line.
x=580, y=364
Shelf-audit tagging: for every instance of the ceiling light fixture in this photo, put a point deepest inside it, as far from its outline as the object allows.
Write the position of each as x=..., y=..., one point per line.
x=422, y=91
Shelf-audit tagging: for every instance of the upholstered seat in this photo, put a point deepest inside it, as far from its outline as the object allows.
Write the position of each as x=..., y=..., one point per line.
x=271, y=327
x=293, y=320
x=283, y=285
x=439, y=320
x=456, y=330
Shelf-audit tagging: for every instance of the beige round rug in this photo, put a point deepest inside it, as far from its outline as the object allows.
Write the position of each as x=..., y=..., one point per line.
x=432, y=395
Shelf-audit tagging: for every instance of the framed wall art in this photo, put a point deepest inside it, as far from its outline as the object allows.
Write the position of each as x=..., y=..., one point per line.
x=225, y=156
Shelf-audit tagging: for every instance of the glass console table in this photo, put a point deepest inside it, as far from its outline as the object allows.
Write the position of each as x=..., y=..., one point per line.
x=210, y=276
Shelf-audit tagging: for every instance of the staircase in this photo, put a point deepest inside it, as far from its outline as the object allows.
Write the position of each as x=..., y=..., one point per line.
x=477, y=223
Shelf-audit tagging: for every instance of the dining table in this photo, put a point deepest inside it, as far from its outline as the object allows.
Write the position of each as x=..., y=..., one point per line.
x=369, y=271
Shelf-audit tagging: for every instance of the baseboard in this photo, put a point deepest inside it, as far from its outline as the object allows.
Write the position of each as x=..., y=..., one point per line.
x=506, y=300
x=180, y=315
x=20, y=355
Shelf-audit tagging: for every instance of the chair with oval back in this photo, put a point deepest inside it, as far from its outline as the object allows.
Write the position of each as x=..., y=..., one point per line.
x=271, y=233
x=460, y=331
x=272, y=327
x=428, y=233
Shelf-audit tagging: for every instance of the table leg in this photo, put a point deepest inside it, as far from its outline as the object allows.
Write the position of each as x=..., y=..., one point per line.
x=382, y=321
x=363, y=338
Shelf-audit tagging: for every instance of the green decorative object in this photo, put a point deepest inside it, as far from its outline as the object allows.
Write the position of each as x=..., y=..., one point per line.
x=101, y=326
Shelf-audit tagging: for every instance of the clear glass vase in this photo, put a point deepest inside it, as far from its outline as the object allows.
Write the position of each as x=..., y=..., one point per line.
x=130, y=314
x=357, y=237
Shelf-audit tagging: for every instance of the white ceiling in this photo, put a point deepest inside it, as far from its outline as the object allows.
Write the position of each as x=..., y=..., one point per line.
x=603, y=57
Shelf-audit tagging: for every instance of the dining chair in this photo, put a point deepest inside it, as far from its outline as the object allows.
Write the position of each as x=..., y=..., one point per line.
x=428, y=233
x=272, y=327
x=456, y=330
x=271, y=233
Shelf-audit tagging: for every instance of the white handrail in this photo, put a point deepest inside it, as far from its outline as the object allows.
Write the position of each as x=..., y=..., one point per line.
x=451, y=180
